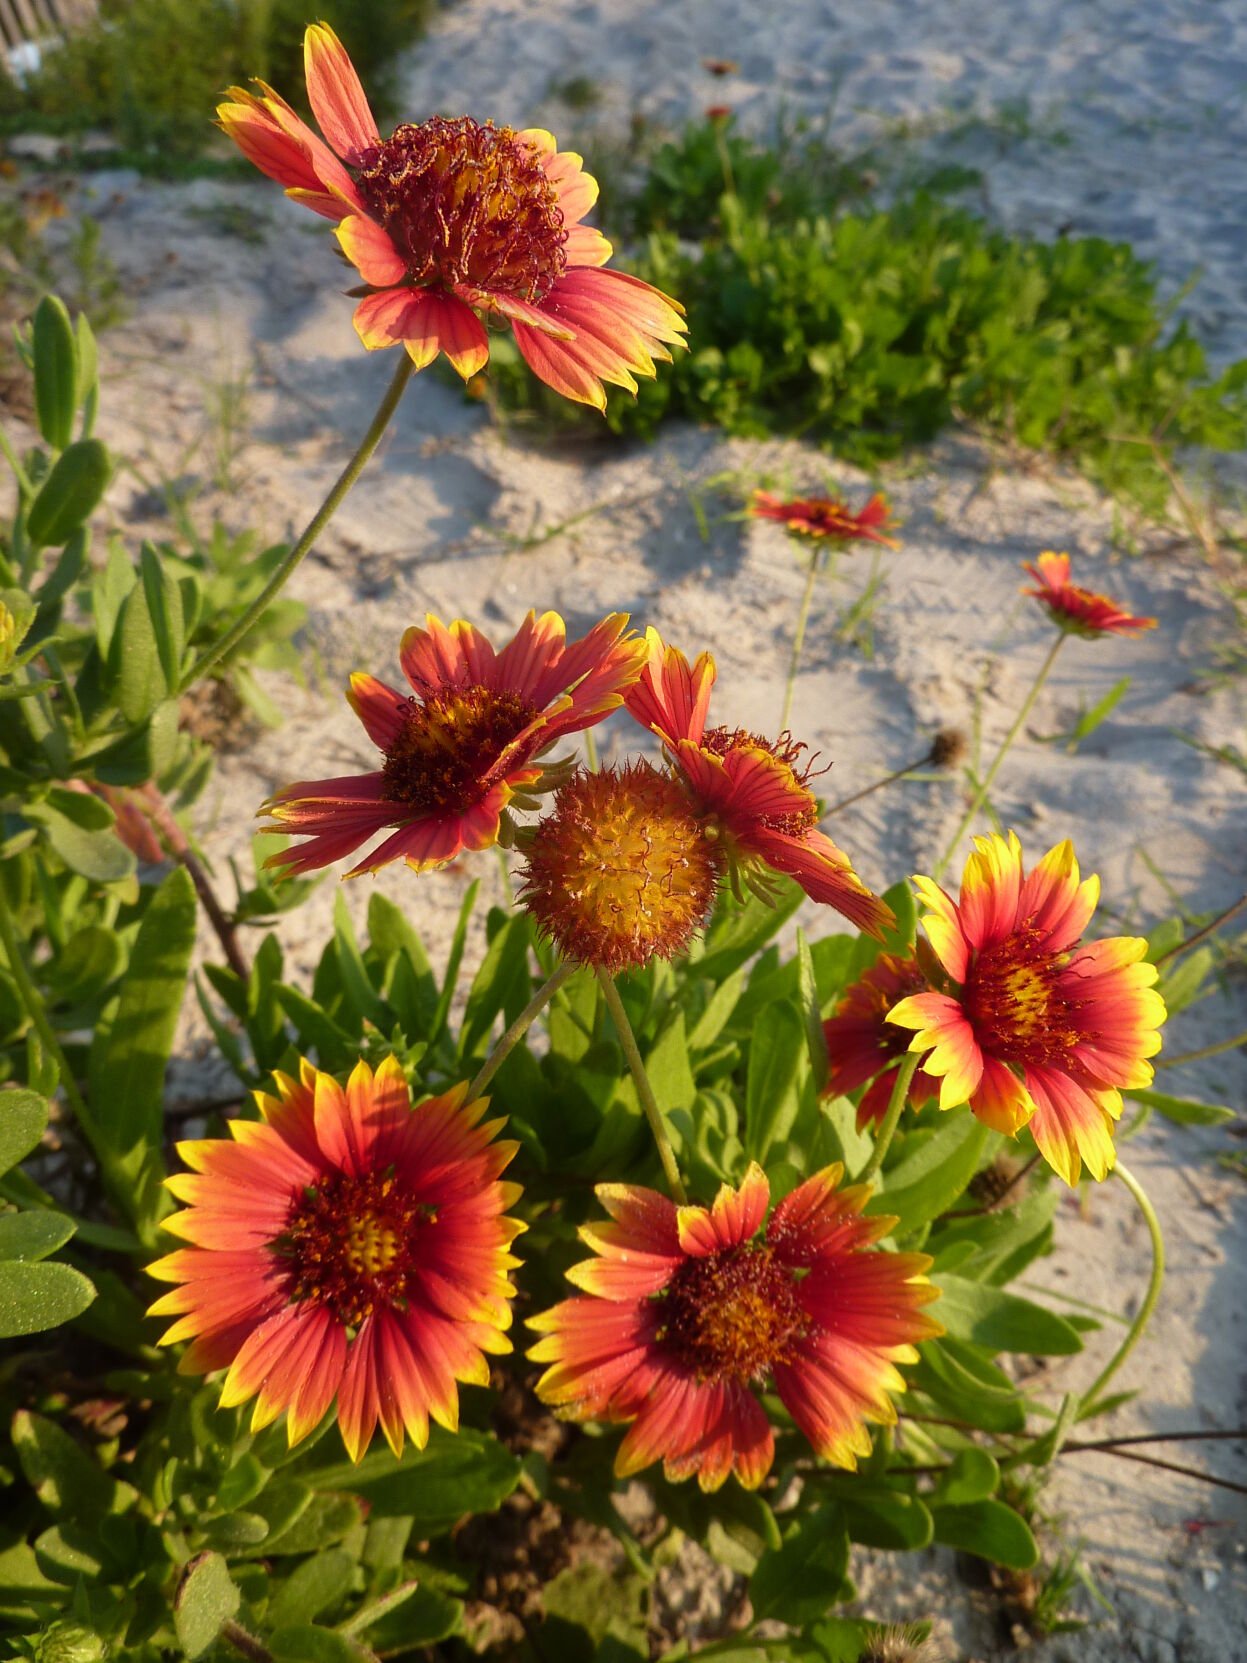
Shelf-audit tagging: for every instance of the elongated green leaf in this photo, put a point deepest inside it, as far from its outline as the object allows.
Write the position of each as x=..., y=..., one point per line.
x=890, y=1519
x=356, y=981
x=920, y=1187
x=808, y=999
x=33, y=1235
x=900, y=939
x=313, y=1586
x=305, y=1643
x=36, y=1297
x=206, y=1599
x=70, y=493
x=455, y=958
x=739, y=929
x=457, y=1474
x=134, y=675
x=164, y=608
x=1001, y=1321
x=503, y=981
x=64, y=1477
x=797, y=1582
x=98, y=855
x=777, y=1056
x=990, y=1530
x=668, y=1069
x=1185, y=1111
x=56, y=371
x=23, y=1115
x=88, y=360
x=130, y=1051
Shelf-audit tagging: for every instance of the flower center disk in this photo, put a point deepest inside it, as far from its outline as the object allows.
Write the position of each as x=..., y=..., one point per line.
x=1015, y=1004
x=443, y=758
x=348, y=1243
x=467, y=203
x=732, y=1315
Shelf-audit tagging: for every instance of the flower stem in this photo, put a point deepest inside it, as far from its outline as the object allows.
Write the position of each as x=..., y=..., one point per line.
x=1231, y=1044
x=1135, y=1332
x=175, y=840
x=867, y=790
x=645, y=1091
x=798, y=639
x=900, y=1091
x=980, y=796
x=221, y=649
x=523, y=1022
x=245, y=1643
x=1203, y=934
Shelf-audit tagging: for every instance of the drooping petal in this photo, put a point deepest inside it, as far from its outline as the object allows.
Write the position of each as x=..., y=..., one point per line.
x=338, y=100
x=371, y=252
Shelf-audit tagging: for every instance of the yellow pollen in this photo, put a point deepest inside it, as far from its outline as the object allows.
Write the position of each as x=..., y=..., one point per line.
x=370, y=1245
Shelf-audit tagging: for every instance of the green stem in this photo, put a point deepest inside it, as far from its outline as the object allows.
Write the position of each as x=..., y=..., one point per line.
x=1202, y=935
x=1135, y=1332
x=222, y=648
x=900, y=1091
x=523, y=1022
x=645, y=1091
x=798, y=640
x=980, y=796
x=1231, y=1044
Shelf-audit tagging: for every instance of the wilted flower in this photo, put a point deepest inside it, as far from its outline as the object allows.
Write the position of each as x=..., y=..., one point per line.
x=1039, y=1031
x=828, y=517
x=457, y=753
x=620, y=870
x=862, y=1044
x=448, y=219
x=345, y=1245
x=752, y=792
x=689, y=1312
x=1076, y=610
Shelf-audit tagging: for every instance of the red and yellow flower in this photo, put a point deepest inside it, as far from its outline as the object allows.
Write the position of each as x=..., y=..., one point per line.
x=689, y=1311
x=449, y=220
x=345, y=1245
x=863, y=1045
x=1040, y=1030
x=455, y=754
x=829, y=517
x=1078, y=611
x=753, y=793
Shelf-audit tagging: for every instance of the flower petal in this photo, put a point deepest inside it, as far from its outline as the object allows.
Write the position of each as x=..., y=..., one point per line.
x=336, y=96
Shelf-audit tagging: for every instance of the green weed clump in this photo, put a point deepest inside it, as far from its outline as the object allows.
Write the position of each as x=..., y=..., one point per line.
x=150, y=71
x=869, y=328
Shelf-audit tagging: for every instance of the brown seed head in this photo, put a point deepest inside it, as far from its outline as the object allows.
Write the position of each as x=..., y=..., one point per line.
x=948, y=748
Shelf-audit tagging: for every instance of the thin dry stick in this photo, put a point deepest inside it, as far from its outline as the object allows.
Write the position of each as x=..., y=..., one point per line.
x=888, y=779
x=1203, y=934
x=175, y=840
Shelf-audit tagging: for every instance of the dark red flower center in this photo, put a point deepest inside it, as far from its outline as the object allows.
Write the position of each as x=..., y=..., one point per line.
x=1016, y=1002
x=350, y=1243
x=732, y=1315
x=803, y=815
x=444, y=758
x=465, y=202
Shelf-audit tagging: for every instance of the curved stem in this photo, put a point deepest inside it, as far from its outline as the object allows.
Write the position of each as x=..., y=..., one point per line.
x=1143, y=1316
x=219, y=650
x=523, y=1022
x=980, y=796
x=900, y=1091
x=645, y=1091
x=1210, y=928
x=33, y=1002
x=1231, y=1044
x=798, y=640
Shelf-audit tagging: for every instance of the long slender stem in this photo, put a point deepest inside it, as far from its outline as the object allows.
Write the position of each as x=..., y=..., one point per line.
x=523, y=1022
x=1210, y=928
x=175, y=840
x=980, y=796
x=645, y=1091
x=1143, y=1316
x=220, y=649
x=867, y=790
x=798, y=639
x=1231, y=1044
x=245, y=1643
x=900, y=1091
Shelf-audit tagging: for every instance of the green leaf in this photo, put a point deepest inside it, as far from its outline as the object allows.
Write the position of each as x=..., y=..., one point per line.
x=990, y=1530
x=798, y=1581
x=135, y=676
x=884, y=1518
x=33, y=1235
x=807, y=995
x=70, y=493
x=98, y=855
x=164, y=606
x=407, y=1617
x=668, y=1068
x=206, y=1599
x=502, y=981
x=739, y=929
x=773, y=1094
x=1000, y=1321
x=972, y=1476
x=130, y=1051
x=356, y=981
x=305, y=1643
x=64, y=1477
x=1185, y=1111
x=923, y=1185
x=455, y=958
x=465, y=1472
x=88, y=360
x=37, y=1297
x=242, y=1483
x=900, y=940
x=56, y=371
x=324, y=1521
x=23, y=1115
x=312, y=1587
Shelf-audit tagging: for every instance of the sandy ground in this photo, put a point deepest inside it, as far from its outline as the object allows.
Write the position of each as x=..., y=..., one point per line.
x=457, y=518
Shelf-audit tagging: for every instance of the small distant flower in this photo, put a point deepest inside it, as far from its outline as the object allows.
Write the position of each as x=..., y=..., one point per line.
x=1039, y=1030
x=752, y=792
x=690, y=1312
x=861, y=1041
x=620, y=869
x=455, y=755
x=1076, y=610
x=720, y=66
x=349, y=1246
x=719, y=112
x=449, y=219
x=828, y=517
